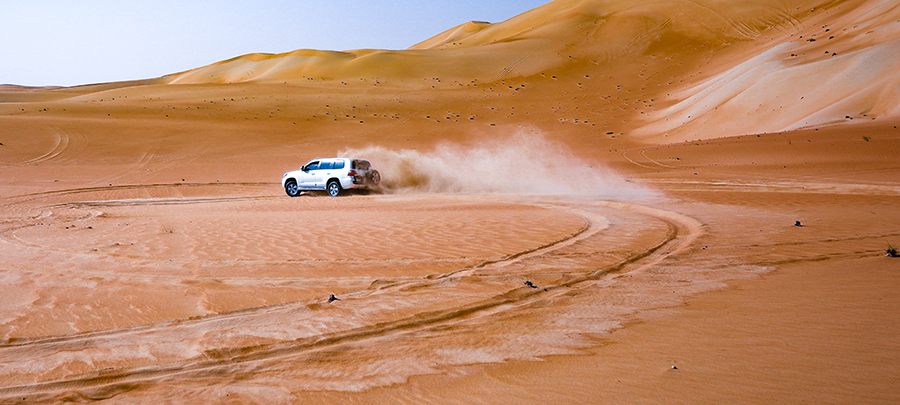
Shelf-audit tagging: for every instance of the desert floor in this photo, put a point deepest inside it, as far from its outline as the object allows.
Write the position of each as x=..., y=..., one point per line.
x=685, y=280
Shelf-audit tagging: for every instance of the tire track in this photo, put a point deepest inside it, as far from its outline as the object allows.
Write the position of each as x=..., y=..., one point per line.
x=141, y=163
x=644, y=155
x=591, y=227
x=60, y=144
x=581, y=234
x=682, y=232
x=21, y=198
x=625, y=155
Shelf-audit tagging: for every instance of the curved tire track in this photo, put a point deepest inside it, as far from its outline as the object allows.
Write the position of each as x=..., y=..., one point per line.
x=681, y=233
x=61, y=143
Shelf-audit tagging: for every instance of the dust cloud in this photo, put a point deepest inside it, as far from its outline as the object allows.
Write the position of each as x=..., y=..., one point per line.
x=520, y=164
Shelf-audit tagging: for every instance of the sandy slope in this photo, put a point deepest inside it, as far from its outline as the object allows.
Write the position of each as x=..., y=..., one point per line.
x=624, y=157
x=788, y=65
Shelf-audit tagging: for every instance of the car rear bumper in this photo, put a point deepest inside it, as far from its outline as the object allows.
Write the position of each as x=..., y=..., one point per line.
x=356, y=184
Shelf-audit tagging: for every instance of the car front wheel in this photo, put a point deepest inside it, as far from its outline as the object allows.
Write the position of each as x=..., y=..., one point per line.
x=333, y=188
x=291, y=188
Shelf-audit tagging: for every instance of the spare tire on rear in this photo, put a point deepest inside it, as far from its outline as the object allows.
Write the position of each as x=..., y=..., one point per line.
x=374, y=178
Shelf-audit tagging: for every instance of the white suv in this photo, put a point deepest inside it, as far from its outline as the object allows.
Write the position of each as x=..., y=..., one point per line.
x=332, y=175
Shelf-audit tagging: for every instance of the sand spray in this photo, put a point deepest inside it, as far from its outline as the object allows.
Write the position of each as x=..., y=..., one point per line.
x=523, y=163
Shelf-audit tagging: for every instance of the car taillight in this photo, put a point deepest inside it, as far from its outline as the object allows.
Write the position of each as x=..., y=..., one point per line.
x=352, y=173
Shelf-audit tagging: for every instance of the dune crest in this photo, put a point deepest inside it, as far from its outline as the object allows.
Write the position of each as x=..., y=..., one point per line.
x=426, y=59
x=451, y=36
x=12, y=88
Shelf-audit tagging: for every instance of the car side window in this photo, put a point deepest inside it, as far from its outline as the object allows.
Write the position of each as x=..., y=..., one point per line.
x=339, y=164
x=325, y=166
x=312, y=166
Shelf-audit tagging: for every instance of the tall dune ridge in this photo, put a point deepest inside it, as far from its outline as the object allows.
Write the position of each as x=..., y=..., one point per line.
x=822, y=59
x=651, y=201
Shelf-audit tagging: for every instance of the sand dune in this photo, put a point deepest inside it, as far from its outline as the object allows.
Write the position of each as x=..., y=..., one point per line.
x=577, y=199
x=813, y=62
x=12, y=88
x=825, y=74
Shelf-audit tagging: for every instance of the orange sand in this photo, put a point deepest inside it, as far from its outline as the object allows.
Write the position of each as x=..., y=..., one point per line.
x=641, y=163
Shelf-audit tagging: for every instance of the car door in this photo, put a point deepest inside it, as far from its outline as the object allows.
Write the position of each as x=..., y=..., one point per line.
x=307, y=178
x=337, y=170
x=323, y=172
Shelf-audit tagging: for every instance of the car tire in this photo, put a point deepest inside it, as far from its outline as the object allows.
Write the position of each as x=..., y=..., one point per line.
x=333, y=188
x=374, y=178
x=291, y=188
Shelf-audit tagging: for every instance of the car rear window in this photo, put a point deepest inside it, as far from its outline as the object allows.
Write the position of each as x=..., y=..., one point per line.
x=361, y=165
x=325, y=166
x=338, y=164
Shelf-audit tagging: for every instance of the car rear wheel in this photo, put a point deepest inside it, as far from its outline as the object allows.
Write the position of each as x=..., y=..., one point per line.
x=291, y=188
x=333, y=188
x=374, y=178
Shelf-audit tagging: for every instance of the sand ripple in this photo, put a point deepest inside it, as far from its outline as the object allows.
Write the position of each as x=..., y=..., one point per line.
x=247, y=280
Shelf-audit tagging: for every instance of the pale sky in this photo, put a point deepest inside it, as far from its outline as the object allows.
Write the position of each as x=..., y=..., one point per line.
x=72, y=42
